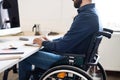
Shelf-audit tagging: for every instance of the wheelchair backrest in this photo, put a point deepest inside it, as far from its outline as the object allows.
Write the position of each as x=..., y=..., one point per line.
x=93, y=48
x=94, y=44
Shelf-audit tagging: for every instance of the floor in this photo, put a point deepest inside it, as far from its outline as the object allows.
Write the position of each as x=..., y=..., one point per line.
x=111, y=76
x=11, y=76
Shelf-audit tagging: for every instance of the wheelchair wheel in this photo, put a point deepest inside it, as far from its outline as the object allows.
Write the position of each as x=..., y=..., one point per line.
x=65, y=72
x=104, y=76
x=97, y=72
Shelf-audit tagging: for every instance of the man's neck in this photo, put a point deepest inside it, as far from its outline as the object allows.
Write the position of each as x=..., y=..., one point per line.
x=85, y=2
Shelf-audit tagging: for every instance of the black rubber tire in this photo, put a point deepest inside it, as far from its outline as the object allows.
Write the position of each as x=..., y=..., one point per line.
x=66, y=68
x=104, y=75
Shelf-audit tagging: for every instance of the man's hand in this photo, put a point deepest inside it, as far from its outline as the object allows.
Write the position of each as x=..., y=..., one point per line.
x=38, y=41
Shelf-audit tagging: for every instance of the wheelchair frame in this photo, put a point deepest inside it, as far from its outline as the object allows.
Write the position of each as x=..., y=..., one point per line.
x=89, y=70
x=77, y=73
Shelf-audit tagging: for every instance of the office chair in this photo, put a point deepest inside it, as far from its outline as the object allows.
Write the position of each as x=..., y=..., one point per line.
x=78, y=67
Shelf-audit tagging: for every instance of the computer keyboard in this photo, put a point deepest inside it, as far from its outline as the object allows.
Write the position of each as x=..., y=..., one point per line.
x=23, y=38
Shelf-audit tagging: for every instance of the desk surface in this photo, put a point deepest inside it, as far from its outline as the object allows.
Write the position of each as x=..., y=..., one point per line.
x=5, y=42
x=14, y=41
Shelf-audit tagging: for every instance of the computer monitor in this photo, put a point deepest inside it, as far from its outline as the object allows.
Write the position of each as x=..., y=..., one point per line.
x=9, y=17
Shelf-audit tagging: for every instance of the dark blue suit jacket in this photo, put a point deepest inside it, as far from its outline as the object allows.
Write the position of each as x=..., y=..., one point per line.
x=77, y=39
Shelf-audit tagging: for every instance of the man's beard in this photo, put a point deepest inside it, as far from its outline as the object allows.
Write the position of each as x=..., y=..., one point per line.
x=77, y=3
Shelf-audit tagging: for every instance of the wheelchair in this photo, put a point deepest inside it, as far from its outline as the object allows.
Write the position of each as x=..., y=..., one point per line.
x=79, y=67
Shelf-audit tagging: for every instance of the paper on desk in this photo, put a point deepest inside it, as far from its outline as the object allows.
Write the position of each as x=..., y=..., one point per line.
x=31, y=44
x=4, y=57
x=10, y=51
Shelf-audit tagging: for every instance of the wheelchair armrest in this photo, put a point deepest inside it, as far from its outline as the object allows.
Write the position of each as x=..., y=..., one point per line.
x=108, y=35
x=108, y=30
x=95, y=61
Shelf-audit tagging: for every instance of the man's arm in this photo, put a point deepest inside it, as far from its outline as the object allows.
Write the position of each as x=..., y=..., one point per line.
x=80, y=29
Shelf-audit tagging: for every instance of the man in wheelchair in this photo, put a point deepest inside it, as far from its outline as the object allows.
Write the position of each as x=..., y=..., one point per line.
x=75, y=41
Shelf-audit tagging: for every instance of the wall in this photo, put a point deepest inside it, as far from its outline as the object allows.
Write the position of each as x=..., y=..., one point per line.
x=109, y=52
x=55, y=15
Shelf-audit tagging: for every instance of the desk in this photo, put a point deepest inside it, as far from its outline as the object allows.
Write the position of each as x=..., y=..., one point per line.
x=14, y=40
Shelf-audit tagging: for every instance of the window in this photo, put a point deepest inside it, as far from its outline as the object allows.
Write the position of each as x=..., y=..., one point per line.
x=109, y=13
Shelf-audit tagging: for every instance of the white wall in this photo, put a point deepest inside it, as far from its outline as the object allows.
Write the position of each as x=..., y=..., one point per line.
x=109, y=52
x=55, y=15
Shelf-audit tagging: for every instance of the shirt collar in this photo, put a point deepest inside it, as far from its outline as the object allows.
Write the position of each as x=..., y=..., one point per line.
x=88, y=6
